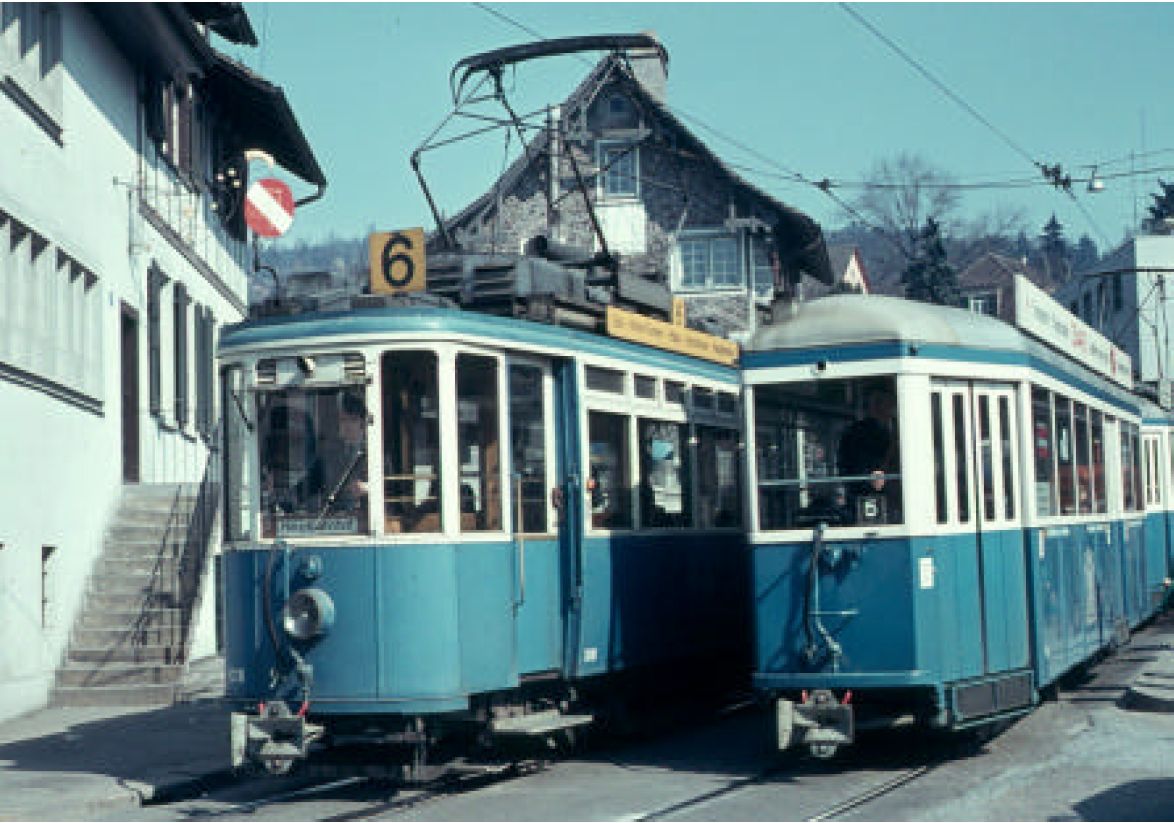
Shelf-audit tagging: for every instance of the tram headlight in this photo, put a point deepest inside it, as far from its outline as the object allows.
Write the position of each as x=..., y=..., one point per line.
x=308, y=613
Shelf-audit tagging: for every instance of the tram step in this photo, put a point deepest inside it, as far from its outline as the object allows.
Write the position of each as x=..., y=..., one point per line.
x=123, y=654
x=538, y=723
x=134, y=695
x=119, y=674
x=131, y=617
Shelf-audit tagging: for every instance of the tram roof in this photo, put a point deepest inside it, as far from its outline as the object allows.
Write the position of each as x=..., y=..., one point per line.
x=364, y=326
x=852, y=319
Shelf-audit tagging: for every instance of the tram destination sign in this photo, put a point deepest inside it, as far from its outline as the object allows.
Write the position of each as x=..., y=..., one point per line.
x=640, y=329
x=1042, y=317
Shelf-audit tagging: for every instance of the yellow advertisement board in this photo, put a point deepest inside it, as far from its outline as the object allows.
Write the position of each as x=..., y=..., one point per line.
x=639, y=329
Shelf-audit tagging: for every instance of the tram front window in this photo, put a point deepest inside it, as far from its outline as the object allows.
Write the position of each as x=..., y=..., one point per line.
x=313, y=447
x=478, y=445
x=828, y=451
x=411, y=442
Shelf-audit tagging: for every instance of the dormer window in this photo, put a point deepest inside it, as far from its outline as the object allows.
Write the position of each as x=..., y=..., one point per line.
x=618, y=105
x=619, y=170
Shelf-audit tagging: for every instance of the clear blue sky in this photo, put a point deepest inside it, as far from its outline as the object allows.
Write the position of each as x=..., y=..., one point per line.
x=805, y=86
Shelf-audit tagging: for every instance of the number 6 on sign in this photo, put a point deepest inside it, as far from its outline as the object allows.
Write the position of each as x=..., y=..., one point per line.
x=397, y=261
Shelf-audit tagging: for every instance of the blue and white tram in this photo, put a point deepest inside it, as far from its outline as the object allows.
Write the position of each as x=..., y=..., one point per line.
x=995, y=539
x=445, y=526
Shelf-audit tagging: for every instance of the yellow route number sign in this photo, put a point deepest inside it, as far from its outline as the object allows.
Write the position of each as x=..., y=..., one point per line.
x=397, y=261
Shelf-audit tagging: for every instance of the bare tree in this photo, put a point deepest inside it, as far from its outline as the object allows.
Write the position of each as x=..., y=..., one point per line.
x=902, y=192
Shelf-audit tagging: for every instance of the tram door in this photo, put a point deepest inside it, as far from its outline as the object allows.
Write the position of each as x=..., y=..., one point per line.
x=976, y=442
x=535, y=435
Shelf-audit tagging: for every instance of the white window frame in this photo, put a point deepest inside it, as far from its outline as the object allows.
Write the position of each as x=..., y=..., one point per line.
x=603, y=147
x=709, y=285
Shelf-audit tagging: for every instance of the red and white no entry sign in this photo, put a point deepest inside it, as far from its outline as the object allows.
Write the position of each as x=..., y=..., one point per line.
x=269, y=207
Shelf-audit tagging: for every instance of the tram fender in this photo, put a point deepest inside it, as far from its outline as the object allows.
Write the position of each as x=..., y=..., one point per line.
x=815, y=722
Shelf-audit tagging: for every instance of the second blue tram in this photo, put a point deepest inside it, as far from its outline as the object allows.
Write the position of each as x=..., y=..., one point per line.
x=444, y=525
x=947, y=516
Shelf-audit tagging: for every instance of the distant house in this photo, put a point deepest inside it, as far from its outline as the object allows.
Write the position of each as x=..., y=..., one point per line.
x=986, y=285
x=672, y=209
x=848, y=274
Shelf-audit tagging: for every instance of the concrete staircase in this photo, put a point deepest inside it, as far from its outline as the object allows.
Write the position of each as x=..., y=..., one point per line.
x=129, y=642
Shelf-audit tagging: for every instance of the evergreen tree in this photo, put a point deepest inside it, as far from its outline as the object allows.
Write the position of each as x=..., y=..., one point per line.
x=1163, y=207
x=929, y=277
x=1054, y=251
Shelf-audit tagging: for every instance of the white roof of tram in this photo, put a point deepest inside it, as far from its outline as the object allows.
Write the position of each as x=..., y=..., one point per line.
x=845, y=319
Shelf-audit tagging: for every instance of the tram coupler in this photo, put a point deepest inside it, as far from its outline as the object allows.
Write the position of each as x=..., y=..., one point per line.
x=820, y=722
x=275, y=737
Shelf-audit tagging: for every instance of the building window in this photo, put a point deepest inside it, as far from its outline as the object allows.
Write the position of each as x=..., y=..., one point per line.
x=1118, y=292
x=31, y=41
x=50, y=317
x=619, y=170
x=764, y=275
x=986, y=302
x=710, y=262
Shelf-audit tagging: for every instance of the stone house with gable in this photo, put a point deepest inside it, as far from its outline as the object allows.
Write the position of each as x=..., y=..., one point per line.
x=670, y=207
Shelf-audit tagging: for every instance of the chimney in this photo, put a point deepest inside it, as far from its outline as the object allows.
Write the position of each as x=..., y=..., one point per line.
x=652, y=74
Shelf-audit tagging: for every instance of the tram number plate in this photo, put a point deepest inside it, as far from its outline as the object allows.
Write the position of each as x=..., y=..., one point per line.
x=307, y=526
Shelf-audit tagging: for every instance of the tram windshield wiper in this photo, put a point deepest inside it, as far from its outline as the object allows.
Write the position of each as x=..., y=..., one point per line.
x=333, y=496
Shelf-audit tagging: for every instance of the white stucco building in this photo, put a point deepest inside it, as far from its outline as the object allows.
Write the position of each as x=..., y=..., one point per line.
x=123, y=135
x=1128, y=299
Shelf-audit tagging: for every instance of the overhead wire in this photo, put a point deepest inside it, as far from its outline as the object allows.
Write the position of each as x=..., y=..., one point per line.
x=1053, y=173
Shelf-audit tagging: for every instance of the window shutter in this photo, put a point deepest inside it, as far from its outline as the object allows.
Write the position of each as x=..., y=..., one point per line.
x=155, y=281
x=181, y=355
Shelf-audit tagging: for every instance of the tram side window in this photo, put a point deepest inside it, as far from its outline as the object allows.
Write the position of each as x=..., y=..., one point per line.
x=313, y=446
x=986, y=456
x=478, y=443
x=827, y=451
x=961, y=469
x=1065, y=458
x=1083, y=467
x=1008, y=463
x=1130, y=467
x=528, y=444
x=1044, y=451
x=665, y=495
x=1099, y=494
x=719, y=467
x=238, y=521
x=939, y=462
x=1153, y=495
x=411, y=442
x=609, y=485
